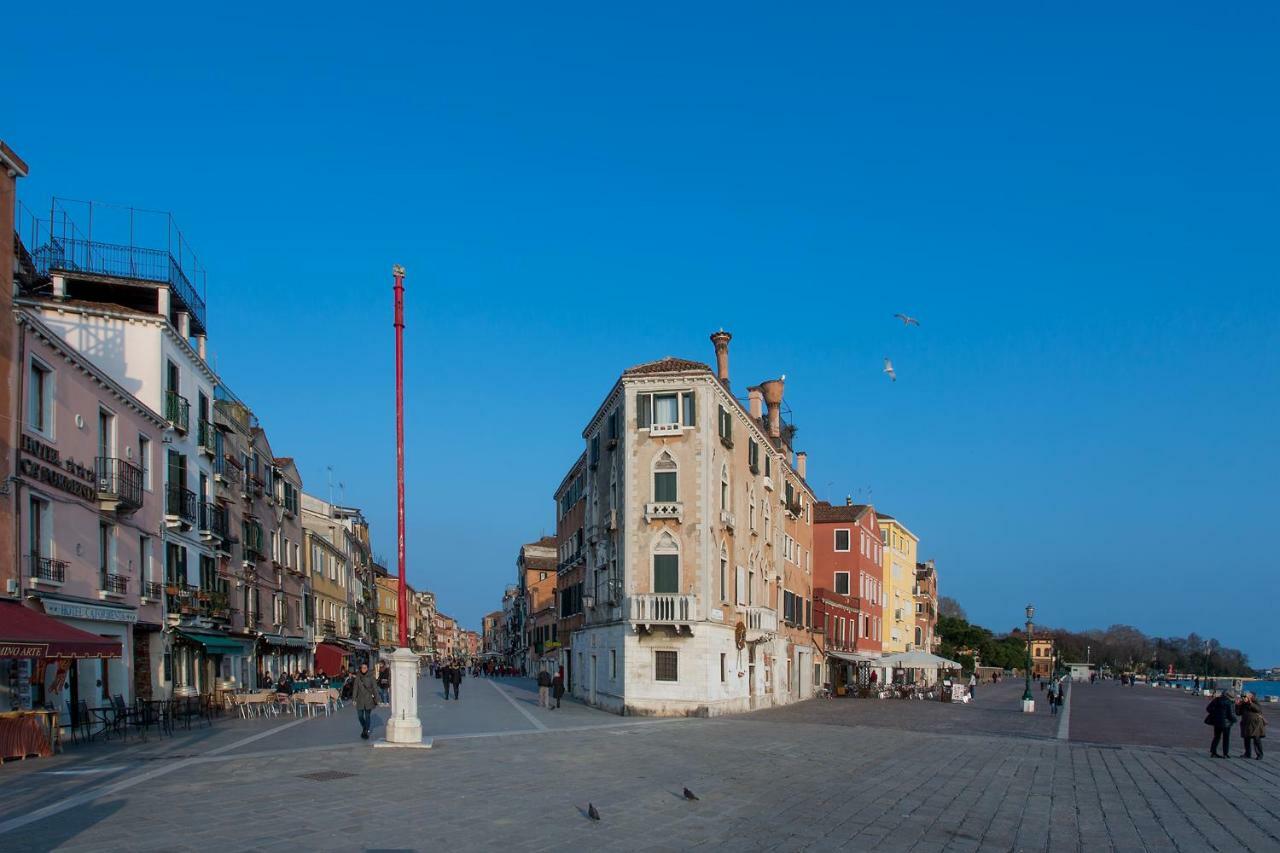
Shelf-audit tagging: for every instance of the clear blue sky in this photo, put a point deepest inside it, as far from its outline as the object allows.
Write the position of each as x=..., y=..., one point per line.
x=1080, y=206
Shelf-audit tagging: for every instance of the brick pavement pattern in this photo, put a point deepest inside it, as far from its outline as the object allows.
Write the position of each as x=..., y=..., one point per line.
x=805, y=777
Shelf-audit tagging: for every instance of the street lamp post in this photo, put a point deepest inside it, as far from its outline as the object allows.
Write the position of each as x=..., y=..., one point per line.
x=403, y=727
x=1208, y=650
x=1028, y=699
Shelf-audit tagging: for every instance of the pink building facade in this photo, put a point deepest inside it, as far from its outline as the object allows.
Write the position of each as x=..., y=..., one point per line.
x=88, y=501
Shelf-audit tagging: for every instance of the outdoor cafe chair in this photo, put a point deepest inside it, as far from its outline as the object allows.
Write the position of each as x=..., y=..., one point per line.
x=316, y=698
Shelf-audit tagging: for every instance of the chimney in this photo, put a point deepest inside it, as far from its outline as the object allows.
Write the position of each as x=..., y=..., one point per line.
x=184, y=325
x=848, y=500
x=755, y=403
x=201, y=346
x=801, y=459
x=772, y=391
x=721, y=340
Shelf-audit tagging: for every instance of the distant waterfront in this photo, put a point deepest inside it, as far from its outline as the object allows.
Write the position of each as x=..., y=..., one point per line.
x=1261, y=688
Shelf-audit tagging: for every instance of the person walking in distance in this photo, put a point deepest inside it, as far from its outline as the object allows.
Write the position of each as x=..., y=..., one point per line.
x=364, y=691
x=557, y=686
x=442, y=672
x=1220, y=713
x=455, y=673
x=1253, y=726
x=1052, y=698
x=973, y=684
x=544, y=689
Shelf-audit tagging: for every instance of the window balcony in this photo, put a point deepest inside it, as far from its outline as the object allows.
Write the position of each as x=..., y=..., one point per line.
x=113, y=584
x=328, y=627
x=119, y=484
x=767, y=481
x=204, y=437
x=213, y=520
x=726, y=519
x=177, y=411
x=665, y=429
x=180, y=505
x=152, y=590
x=761, y=620
x=48, y=570
x=660, y=608
x=664, y=509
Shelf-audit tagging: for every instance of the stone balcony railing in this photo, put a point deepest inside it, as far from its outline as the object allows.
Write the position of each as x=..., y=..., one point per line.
x=660, y=608
x=761, y=619
x=663, y=509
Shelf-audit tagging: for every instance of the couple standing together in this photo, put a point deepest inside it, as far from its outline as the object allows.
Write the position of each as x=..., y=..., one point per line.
x=1222, y=712
x=550, y=688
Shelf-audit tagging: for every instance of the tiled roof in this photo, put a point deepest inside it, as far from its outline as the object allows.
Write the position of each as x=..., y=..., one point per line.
x=823, y=511
x=546, y=542
x=540, y=564
x=284, y=460
x=666, y=364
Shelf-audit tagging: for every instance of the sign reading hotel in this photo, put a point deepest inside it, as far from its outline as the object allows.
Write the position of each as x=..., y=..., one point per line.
x=77, y=479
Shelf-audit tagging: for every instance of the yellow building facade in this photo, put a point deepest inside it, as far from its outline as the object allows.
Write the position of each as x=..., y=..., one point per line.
x=900, y=549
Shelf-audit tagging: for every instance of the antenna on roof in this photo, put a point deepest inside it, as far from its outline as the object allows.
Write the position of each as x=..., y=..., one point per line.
x=329, y=469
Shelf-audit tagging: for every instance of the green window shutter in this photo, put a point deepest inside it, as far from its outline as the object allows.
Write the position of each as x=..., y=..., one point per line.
x=644, y=417
x=666, y=573
x=664, y=486
x=689, y=418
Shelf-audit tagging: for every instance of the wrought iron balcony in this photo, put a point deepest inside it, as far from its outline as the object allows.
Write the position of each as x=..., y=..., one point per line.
x=213, y=519
x=180, y=503
x=177, y=411
x=118, y=584
x=153, y=590
x=48, y=569
x=119, y=484
x=204, y=436
x=328, y=627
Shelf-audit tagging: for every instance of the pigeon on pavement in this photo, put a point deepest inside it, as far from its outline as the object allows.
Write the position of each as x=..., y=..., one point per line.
x=888, y=368
x=592, y=813
x=690, y=795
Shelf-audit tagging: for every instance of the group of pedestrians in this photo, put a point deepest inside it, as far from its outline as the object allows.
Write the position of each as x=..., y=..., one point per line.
x=1222, y=713
x=550, y=687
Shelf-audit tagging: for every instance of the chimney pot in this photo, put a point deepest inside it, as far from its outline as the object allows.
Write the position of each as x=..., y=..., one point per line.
x=802, y=460
x=755, y=403
x=721, y=340
x=772, y=391
x=848, y=500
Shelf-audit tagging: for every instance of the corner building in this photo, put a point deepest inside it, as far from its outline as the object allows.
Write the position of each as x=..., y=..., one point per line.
x=698, y=582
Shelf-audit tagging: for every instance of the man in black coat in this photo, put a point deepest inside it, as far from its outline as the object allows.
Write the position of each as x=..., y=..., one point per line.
x=446, y=679
x=1221, y=713
x=456, y=677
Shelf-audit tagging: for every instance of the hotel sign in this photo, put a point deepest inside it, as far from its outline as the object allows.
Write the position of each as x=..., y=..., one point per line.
x=91, y=612
x=69, y=476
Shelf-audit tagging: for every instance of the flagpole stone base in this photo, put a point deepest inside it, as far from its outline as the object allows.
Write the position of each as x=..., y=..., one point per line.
x=404, y=728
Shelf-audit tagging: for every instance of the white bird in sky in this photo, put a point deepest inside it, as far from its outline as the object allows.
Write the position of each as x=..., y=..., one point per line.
x=907, y=321
x=888, y=368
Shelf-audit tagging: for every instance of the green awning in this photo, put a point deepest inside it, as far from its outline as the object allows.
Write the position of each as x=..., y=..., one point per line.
x=215, y=644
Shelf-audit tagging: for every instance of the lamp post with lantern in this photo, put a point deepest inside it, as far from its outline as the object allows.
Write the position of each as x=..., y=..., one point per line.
x=1028, y=699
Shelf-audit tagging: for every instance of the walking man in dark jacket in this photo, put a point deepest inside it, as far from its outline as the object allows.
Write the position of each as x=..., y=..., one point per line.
x=455, y=672
x=544, y=689
x=365, y=692
x=557, y=686
x=1221, y=713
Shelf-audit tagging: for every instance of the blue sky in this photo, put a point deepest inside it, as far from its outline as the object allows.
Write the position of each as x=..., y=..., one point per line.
x=1079, y=205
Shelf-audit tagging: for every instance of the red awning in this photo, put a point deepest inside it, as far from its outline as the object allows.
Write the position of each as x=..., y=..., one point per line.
x=27, y=633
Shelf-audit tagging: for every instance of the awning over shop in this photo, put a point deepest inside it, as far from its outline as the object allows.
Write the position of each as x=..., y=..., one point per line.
x=214, y=643
x=27, y=633
x=281, y=640
x=358, y=645
x=331, y=657
x=854, y=657
x=918, y=660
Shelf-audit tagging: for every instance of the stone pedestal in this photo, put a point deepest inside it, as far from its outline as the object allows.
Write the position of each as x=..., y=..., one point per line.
x=403, y=726
x=1028, y=706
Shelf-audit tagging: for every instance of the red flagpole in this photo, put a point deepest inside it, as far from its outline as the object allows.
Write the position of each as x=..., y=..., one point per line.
x=403, y=615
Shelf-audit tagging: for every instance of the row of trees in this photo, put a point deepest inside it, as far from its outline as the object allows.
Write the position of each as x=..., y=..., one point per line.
x=1121, y=647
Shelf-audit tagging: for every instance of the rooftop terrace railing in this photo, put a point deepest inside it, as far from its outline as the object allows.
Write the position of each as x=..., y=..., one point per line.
x=73, y=254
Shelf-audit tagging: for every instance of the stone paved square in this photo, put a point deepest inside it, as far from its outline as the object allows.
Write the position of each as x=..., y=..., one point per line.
x=503, y=773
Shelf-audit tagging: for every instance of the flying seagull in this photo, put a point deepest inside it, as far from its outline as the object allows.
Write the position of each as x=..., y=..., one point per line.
x=907, y=321
x=888, y=368
x=592, y=813
x=690, y=795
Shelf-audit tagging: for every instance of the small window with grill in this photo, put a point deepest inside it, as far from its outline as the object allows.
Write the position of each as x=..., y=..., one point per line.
x=665, y=666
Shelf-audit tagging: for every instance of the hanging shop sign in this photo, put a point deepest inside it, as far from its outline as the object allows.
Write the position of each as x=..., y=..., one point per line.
x=67, y=475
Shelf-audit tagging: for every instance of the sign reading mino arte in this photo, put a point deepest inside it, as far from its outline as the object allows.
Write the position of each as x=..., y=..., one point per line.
x=78, y=480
